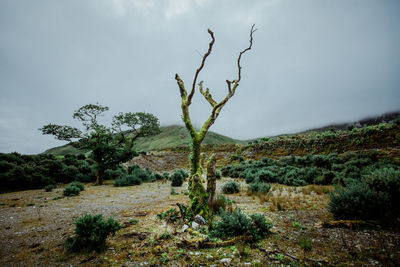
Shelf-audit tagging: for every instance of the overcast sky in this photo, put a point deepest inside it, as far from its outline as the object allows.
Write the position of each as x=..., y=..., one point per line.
x=313, y=62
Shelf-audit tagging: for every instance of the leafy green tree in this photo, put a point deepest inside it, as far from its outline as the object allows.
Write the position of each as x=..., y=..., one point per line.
x=197, y=192
x=109, y=146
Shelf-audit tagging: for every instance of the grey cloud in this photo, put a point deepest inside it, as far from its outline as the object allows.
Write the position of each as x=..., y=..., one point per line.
x=313, y=62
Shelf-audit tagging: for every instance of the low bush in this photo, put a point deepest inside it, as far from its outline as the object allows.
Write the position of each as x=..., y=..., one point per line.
x=259, y=187
x=78, y=184
x=177, y=179
x=157, y=176
x=375, y=196
x=136, y=176
x=91, y=232
x=231, y=187
x=127, y=180
x=237, y=223
x=71, y=191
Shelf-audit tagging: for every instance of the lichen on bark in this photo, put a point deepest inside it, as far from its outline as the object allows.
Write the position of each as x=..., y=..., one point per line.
x=197, y=193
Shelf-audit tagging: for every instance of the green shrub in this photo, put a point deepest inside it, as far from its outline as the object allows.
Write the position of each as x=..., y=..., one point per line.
x=78, y=184
x=177, y=179
x=259, y=187
x=132, y=168
x=375, y=196
x=127, y=180
x=357, y=201
x=218, y=174
x=91, y=232
x=231, y=187
x=71, y=190
x=85, y=178
x=157, y=176
x=114, y=174
x=136, y=176
x=250, y=175
x=237, y=223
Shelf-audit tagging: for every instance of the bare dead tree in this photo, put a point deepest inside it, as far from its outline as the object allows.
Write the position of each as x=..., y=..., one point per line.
x=197, y=192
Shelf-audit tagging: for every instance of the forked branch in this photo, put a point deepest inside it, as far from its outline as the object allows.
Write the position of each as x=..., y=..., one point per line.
x=231, y=90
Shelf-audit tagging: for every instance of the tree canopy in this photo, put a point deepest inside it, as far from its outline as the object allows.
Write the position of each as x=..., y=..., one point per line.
x=109, y=146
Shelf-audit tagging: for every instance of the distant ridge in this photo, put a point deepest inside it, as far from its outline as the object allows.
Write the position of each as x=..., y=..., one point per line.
x=176, y=136
x=368, y=121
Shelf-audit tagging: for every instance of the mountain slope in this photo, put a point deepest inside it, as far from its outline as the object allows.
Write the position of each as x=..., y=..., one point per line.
x=170, y=136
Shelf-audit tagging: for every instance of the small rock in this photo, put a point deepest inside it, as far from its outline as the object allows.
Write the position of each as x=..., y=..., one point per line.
x=191, y=253
x=214, y=265
x=200, y=220
x=164, y=226
x=226, y=260
x=197, y=253
x=195, y=225
x=185, y=227
x=209, y=256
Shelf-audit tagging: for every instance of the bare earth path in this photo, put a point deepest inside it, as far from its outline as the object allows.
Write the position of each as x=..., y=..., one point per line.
x=35, y=220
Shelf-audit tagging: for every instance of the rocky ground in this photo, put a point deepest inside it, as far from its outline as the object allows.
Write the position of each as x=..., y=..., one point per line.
x=35, y=223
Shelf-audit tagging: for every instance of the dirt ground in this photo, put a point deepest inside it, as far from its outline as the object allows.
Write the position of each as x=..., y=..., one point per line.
x=35, y=223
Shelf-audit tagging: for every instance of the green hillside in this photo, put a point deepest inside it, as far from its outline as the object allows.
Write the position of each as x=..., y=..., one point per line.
x=170, y=136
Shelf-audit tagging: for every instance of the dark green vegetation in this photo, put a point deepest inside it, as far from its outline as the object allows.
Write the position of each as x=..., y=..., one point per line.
x=91, y=232
x=134, y=175
x=18, y=172
x=169, y=137
x=108, y=146
x=259, y=187
x=178, y=177
x=231, y=187
x=73, y=189
x=376, y=195
x=236, y=223
x=367, y=187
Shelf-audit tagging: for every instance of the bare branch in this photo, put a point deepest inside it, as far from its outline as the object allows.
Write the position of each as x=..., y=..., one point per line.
x=229, y=86
x=201, y=66
x=207, y=95
x=181, y=86
x=244, y=51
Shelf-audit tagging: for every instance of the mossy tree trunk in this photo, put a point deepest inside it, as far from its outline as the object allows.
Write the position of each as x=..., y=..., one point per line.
x=197, y=192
